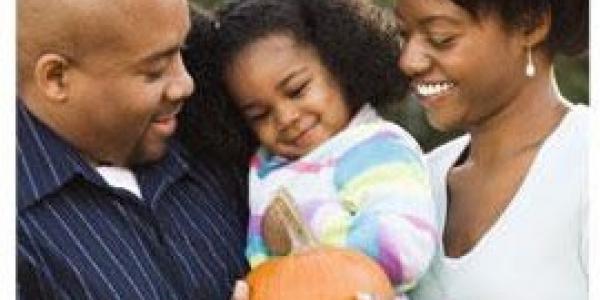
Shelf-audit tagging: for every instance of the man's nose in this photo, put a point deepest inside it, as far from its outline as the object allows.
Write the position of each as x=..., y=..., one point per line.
x=182, y=85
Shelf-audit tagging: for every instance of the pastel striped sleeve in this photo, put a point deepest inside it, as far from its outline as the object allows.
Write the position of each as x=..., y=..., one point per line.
x=383, y=183
x=256, y=249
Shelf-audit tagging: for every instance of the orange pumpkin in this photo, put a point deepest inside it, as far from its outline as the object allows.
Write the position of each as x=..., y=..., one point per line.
x=321, y=273
x=310, y=271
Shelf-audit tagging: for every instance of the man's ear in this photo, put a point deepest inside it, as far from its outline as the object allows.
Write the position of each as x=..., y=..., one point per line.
x=50, y=75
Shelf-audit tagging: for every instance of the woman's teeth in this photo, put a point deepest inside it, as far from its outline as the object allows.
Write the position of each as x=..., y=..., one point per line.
x=426, y=90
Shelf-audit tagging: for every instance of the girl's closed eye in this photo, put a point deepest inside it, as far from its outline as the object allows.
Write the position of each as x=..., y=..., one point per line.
x=299, y=90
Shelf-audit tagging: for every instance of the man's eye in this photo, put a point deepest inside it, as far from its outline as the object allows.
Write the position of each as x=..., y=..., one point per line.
x=154, y=75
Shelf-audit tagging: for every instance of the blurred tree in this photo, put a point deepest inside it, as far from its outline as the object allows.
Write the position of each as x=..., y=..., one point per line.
x=208, y=3
x=572, y=76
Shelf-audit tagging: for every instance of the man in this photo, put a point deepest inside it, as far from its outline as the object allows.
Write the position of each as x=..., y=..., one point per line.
x=108, y=207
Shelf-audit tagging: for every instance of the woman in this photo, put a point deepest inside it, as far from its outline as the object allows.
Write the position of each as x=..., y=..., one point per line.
x=512, y=192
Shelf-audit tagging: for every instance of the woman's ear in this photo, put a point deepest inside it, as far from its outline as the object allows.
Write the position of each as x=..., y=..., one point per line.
x=537, y=28
x=50, y=75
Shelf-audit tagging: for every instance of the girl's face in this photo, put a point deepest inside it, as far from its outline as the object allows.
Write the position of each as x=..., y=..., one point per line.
x=286, y=94
x=463, y=70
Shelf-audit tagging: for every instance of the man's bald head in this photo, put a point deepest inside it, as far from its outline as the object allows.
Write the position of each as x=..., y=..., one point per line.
x=70, y=28
x=105, y=75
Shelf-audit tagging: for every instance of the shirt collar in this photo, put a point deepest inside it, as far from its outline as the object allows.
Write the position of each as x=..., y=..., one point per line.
x=155, y=177
x=45, y=161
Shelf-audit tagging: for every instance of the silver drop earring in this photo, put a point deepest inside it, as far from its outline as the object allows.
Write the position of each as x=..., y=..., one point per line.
x=529, y=67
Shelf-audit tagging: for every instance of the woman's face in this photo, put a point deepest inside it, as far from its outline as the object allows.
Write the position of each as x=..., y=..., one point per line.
x=463, y=70
x=287, y=95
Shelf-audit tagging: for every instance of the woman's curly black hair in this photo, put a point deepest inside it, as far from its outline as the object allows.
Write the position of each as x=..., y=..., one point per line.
x=355, y=40
x=569, y=30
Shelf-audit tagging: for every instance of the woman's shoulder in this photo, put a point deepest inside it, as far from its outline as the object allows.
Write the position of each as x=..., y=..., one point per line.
x=574, y=129
x=446, y=154
x=580, y=115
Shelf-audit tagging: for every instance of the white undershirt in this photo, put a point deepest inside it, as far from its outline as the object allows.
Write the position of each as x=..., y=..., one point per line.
x=120, y=177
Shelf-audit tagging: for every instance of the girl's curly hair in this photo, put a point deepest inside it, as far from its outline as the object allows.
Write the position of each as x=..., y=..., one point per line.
x=356, y=41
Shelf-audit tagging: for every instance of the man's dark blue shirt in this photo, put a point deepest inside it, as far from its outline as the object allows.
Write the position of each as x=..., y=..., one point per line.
x=79, y=238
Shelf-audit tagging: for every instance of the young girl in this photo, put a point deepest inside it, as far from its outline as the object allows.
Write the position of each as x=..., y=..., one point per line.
x=512, y=193
x=304, y=76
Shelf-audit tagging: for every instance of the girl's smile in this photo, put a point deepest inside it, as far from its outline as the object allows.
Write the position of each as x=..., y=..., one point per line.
x=288, y=97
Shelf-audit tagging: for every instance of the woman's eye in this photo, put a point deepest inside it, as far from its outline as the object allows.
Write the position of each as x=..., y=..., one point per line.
x=441, y=41
x=256, y=115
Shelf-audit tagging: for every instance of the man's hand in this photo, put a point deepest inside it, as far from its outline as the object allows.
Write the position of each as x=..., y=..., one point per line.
x=241, y=291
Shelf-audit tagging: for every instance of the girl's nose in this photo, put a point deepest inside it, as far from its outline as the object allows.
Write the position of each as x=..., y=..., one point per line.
x=287, y=114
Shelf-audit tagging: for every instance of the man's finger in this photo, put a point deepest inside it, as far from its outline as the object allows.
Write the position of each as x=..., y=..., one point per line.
x=241, y=291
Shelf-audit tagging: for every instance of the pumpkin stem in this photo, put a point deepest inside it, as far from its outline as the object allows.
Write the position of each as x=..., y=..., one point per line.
x=300, y=235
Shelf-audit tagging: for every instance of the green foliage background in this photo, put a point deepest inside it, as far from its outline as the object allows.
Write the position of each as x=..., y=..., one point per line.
x=572, y=75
